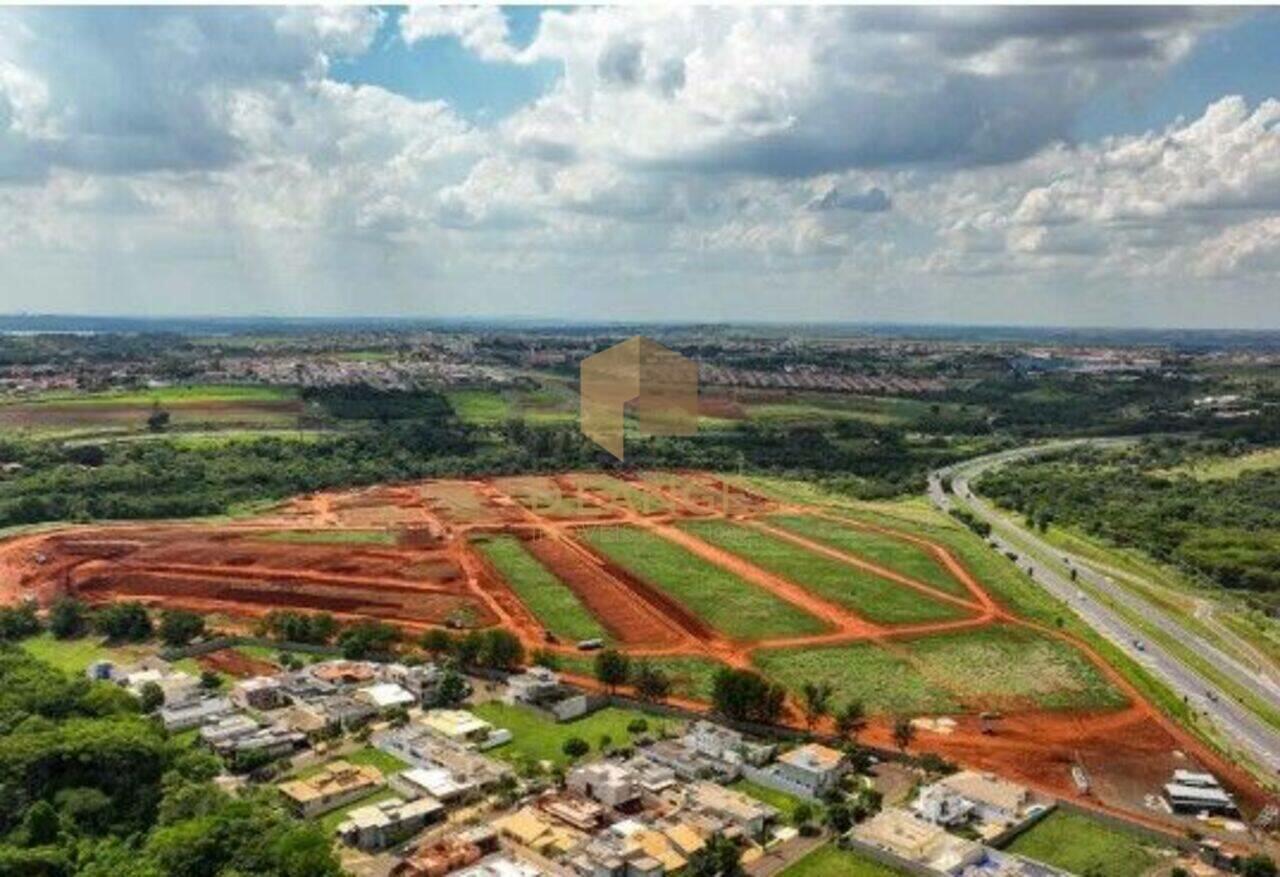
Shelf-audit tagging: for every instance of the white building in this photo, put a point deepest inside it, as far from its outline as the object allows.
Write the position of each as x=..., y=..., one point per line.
x=813, y=767
x=387, y=695
x=388, y=822
x=194, y=714
x=531, y=686
x=973, y=795
x=611, y=784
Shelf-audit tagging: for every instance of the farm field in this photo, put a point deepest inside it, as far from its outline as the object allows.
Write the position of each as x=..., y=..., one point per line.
x=555, y=605
x=865, y=593
x=730, y=605
x=897, y=554
x=1083, y=845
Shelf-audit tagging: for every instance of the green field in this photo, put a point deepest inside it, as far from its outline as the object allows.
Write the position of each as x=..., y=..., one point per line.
x=831, y=861
x=329, y=537
x=75, y=655
x=896, y=554
x=369, y=755
x=885, y=683
x=868, y=595
x=736, y=608
x=1217, y=468
x=1085, y=846
x=1005, y=665
x=552, y=402
x=549, y=599
x=188, y=394
x=785, y=803
x=479, y=407
x=536, y=738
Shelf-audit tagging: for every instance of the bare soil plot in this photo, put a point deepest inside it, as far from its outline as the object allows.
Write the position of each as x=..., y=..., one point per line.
x=621, y=494
x=462, y=502
x=554, y=604
x=549, y=498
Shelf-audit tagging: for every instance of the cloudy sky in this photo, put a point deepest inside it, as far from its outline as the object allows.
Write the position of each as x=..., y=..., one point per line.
x=1086, y=166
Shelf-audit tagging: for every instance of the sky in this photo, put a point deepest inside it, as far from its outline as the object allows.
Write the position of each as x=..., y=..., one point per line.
x=1094, y=166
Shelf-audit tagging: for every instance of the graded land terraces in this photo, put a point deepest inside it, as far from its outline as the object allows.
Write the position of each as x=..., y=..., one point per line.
x=898, y=608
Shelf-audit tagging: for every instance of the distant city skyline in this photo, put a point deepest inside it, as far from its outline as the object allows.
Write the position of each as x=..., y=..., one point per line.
x=1084, y=166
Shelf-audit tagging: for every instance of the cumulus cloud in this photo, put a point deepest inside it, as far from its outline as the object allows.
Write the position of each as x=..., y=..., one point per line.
x=482, y=29
x=897, y=153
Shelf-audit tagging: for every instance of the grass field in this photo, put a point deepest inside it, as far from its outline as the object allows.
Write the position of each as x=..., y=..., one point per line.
x=1085, y=846
x=732, y=606
x=1218, y=468
x=556, y=607
x=987, y=665
x=179, y=394
x=785, y=803
x=553, y=402
x=869, y=595
x=831, y=861
x=885, y=683
x=75, y=655
x=910, y=560
x=479, y=407
x=369, y=755
x=330, y=537
x=535, y=738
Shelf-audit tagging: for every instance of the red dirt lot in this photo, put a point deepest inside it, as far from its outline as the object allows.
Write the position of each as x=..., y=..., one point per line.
x=236, y=663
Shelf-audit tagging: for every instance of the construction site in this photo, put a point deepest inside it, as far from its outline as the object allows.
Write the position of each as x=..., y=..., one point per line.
x=680, y=569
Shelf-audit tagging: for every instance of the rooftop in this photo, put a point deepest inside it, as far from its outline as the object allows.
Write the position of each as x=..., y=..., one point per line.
x=335, y=778
x=813, y=756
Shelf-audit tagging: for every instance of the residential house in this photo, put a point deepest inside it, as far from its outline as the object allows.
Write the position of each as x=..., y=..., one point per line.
x=259, y=693
x=338, y=783
x=194, y=714
x=811, y=770
x=388, y=822
x=609, y=783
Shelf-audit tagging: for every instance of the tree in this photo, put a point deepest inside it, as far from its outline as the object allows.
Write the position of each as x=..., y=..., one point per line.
x=368, y=639
x=637, y=726
x=68, y=618
x=719, y=857
x=576, y=747
x=903, y=732
x=124, y=622
x=651, y=683
x=468, y=649
x=19, y=622
x=437, y=642
x=179, y=627
x=158, y=419
x=41, y=824
x=1258, y=865
x=802, y=815
x=743, y=695
x=850, y=719
x=838, y=817
x=605, y=743
x=502, y=650
x=545, y=658
x=151, y=696
x=453, y=689
x=817, y=702
x=612, y=669
x=210, y=681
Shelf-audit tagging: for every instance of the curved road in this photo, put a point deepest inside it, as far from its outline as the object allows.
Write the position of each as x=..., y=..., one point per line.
x=1050, y=566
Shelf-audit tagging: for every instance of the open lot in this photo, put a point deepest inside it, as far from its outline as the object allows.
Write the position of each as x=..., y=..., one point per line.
x=537, y=738
x=831, y=861
x=897, y=554
x=1083, y=845
x=865, y=593
x=554, y=604
x=727, y=603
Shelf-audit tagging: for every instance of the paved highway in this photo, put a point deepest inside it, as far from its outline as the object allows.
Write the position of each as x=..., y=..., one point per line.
x=1051, y=566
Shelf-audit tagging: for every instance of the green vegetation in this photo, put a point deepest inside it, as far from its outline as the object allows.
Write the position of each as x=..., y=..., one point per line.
x=690, y=677
x=896, y=554
x=885, y=683
x=548, y=598
x=1083, y=845
x=178, y=394
x=329, y=537
x=1226, y=530
x=831, y=861
x=989, y=666
x=89, y=787
x=479, y=407
x=785, y=803
x=75, y=655
x=536, y=738
x=1214, y=468
x=727, y=603
x=869, y=595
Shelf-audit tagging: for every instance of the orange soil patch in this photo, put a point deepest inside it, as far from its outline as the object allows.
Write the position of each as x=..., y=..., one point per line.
x=627, y=611
x=236, y=663
x=721, y=407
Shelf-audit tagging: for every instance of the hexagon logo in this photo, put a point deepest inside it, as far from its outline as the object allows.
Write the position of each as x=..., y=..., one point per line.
x=660, y=385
